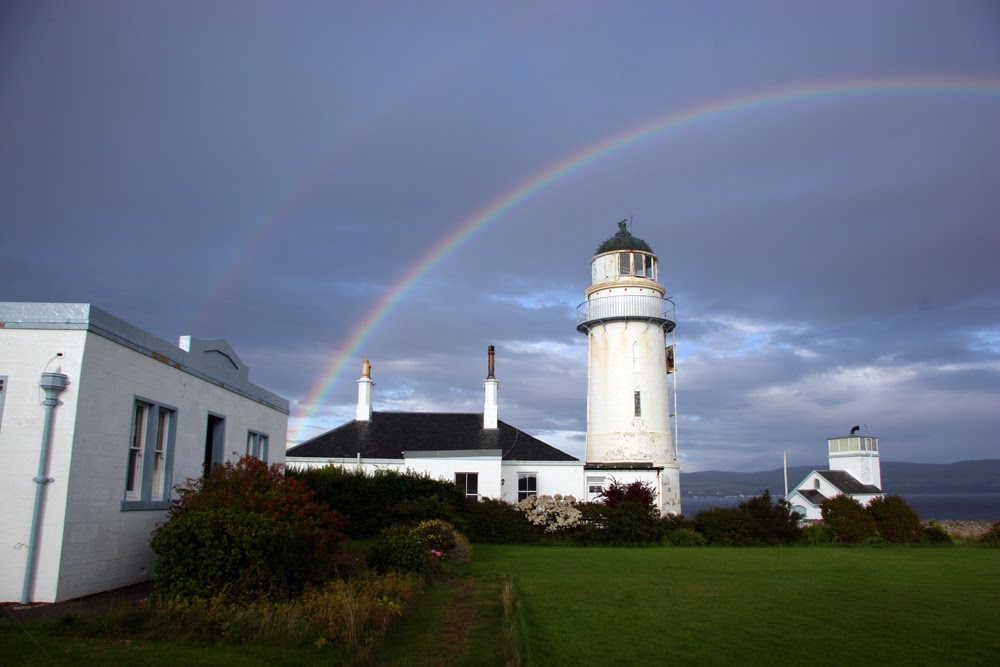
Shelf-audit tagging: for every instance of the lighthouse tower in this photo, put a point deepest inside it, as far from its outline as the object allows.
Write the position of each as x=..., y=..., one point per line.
x=629, y=324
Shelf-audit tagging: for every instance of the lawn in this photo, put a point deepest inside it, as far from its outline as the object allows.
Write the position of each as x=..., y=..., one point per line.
x=726, y=605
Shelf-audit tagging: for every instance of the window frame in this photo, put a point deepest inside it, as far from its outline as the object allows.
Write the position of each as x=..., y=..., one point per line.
x=258, y=445
x=530, y=480
x=150, y=460
x=464, y=484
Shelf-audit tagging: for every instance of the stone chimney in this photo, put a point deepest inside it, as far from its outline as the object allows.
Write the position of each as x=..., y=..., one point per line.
x=492, y=387
x=365, y=385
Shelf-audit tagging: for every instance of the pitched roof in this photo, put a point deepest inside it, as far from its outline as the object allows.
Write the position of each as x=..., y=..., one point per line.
x=812, y=495
x=389, y=434
x=845, y=482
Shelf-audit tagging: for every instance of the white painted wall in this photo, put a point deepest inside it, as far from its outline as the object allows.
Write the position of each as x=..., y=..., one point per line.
x=827, y=489
x=89, y=543
x=553, y=477
x=444, y=467
x=23, y=358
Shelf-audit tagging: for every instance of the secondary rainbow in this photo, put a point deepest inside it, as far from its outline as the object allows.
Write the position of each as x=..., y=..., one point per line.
x=579, y=159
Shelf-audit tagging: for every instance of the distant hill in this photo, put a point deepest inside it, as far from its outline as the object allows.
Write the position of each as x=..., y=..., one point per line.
x=981, y=476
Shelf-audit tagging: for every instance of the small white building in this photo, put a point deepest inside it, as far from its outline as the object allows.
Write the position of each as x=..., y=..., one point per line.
x=487, y=457
x=854, y=471
x=98, y=421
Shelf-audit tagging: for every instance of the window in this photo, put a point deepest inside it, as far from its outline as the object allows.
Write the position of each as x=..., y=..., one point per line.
x=150, y=456
x=816, y=484
x=527, y=485
x=3, y=392
x=638, y=403
x=624, y=264
x=595, y=486
x=257, y=445
x=469, y=482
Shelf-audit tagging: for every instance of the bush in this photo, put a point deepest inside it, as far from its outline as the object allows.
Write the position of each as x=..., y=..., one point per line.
x=374, y=501
x=725, y=525
x=847, y=519
x=436, y=535
x=991, y=538
x=817, y=534
x=499, y=522
x=245, y=530
x=639, y=492
x=771, y=522
x=551, y=513
x=935, y=534
x=398, y=549
x=895, y=520
x=683, y=537
x=625, y=514
x=462, y=553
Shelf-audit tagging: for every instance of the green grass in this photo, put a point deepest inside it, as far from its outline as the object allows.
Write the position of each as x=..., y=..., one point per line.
x=723, y=605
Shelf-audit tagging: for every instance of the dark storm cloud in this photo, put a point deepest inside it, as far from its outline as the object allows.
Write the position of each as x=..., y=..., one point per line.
x=269, y=174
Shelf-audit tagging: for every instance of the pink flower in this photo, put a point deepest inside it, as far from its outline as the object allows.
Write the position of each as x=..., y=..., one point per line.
x=436, y=553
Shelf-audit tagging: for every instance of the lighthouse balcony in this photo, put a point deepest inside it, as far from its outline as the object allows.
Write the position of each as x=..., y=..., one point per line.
x=643, y=307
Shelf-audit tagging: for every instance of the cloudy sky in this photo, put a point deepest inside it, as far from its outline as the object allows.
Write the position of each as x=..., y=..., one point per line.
x=412, y=182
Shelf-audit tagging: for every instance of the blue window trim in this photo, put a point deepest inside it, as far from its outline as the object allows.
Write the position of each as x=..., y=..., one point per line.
x=145, y=501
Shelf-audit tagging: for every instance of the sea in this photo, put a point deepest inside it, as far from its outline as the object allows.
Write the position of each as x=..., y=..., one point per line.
x=927, y=505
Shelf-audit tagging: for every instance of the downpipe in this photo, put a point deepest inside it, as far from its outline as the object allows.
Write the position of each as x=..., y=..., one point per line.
x=52, y=384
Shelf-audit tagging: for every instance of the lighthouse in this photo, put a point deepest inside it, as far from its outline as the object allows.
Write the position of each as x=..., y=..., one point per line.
x=631, y=381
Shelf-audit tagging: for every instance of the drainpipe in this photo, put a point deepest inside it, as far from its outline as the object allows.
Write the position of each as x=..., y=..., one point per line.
x=52, y=384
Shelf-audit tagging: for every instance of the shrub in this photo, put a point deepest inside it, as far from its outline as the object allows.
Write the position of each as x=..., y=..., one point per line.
x=991, y=538
x=436, y=535
x=398, y=549
x=551, y=513
x=639, y=492
x=817, y=534
x=499, y=522
x=771, y=522
x=683, y=537
x=245, y=530
x=462, y=553
x=895, y=520
x=357, y=611
x=374, y=501
x=725, y=525
x=847, y=519
x=935, y=534
x=412, y=511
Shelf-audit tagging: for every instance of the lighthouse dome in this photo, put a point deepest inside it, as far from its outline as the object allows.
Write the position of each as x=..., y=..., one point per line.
x=623, y=240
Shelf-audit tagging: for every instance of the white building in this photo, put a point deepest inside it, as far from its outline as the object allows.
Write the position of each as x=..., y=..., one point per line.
x=98, y=421
x=854, y=471
x=487, y=457
x=630, y=370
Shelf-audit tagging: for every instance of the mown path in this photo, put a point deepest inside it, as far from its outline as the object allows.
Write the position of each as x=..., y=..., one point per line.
x=458, y=620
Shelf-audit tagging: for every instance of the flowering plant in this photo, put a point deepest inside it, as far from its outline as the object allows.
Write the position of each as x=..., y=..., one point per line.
x=437, y=554
x=553, y=513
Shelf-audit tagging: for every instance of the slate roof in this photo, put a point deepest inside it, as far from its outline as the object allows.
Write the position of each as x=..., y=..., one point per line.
x=812, y=495
x=846, y=482
x=389, y=434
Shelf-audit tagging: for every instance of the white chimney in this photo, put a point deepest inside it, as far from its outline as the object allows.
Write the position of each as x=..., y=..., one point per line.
x=365, y=385
x=492, y=387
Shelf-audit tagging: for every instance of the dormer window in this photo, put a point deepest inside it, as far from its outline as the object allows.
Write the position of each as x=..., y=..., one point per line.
x=816, y=484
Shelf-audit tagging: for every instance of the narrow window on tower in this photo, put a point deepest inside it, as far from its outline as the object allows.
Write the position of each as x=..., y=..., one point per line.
x=638, y=404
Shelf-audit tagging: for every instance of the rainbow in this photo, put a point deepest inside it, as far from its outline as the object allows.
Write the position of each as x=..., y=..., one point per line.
x=588, y=155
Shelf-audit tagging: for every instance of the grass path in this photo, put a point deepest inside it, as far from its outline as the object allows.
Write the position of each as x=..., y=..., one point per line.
x=456, y=621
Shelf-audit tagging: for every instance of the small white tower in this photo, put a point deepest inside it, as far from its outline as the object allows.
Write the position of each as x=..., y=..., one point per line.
x=627, y=319
x=858, y=455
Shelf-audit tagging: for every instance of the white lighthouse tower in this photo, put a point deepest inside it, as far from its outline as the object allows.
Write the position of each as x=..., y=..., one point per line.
x=630, y=382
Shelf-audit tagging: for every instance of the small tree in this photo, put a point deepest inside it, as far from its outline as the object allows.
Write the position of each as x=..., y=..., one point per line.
x=847, y=519
x=895, y=520
x=772, y=522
